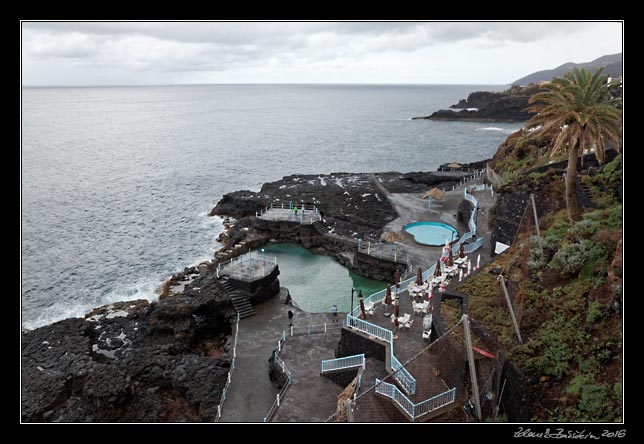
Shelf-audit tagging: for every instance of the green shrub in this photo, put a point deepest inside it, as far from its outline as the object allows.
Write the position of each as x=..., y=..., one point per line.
x=594, y=312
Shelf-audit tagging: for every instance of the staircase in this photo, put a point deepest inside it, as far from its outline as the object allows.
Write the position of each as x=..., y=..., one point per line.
x=320, y=228
x=584, y=194
x=239, y=298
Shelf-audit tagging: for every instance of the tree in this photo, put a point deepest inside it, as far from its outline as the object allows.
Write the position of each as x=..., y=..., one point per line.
x=576, y=107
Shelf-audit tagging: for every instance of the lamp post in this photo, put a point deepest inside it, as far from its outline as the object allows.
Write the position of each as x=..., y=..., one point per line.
x=353, y=290
x=263, y=263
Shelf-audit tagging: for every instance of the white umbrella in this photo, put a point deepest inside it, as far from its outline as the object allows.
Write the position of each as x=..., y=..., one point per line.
x=460, y=275
x=469, y=267
x=478, y=262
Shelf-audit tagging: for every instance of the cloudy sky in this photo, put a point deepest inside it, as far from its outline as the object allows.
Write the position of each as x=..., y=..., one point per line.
x=136, y=53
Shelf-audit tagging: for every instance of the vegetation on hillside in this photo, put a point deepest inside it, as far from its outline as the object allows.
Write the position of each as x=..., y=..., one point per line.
x=575, y=108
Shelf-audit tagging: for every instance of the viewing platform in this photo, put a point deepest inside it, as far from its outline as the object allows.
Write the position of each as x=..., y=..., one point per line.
x=305, y=214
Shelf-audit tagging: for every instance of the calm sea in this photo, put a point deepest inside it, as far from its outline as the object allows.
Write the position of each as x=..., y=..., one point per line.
x=117, y=182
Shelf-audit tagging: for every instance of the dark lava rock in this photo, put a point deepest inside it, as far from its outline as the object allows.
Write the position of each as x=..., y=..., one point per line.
x=130, y=361
x=485, y=106
x=353, y=205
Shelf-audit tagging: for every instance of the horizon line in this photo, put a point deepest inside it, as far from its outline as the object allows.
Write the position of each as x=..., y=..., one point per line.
x=261, y=83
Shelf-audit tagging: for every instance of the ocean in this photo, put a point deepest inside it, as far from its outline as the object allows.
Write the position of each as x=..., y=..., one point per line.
x=117, y=182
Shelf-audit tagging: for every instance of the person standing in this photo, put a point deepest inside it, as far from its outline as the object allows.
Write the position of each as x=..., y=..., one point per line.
x=334, y=312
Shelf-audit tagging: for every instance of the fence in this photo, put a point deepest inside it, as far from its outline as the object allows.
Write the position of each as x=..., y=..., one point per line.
x=302, y=208
x=382, y=250
x=415, y=411
x=330, y=365
x=280, y=396
x=401, y=375
x=301, y=330
x=228, y=379
x=246, y=267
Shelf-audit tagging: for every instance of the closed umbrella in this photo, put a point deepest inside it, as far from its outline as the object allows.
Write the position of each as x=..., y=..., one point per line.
x=362, y=310
x=396, y=310
x=437, y=270
x=450, y=259
x=478, y=262
x=388, y=295
x=469, y=267
x=397, y=276
x=446, y=248
x=460, y=275
x=419, y=277
x=461, y=251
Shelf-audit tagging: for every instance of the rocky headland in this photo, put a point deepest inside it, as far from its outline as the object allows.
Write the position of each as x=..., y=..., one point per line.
x=485, y=106
x=132, y=361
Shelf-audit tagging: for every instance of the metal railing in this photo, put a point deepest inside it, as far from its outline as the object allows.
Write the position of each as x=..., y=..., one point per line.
x=228, y=378
x=330, y=365
x=401, y=375
x=289, y=380
x=415, y=411
x=301, y=216
x=247, y=266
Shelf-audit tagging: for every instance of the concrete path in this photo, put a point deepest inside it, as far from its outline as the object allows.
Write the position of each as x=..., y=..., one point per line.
x=251, y=392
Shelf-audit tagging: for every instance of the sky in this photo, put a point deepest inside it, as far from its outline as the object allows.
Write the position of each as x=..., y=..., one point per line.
x=161, y=53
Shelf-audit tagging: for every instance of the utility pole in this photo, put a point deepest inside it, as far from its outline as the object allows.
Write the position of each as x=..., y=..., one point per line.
x=536, y=222
x=509, y=303
x=470, y=358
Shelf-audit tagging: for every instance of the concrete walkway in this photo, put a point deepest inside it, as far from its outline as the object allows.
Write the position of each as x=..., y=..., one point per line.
x=251, y=392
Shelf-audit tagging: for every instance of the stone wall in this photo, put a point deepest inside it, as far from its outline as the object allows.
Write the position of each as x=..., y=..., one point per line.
x=352, y=343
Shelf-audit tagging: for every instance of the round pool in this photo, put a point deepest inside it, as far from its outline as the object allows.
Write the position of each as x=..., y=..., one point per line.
x=432, y=233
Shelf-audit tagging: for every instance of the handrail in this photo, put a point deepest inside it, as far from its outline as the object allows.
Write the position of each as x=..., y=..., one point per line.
x=406, y=380
x=415, y=410
x=329, y=365
x=232, y=367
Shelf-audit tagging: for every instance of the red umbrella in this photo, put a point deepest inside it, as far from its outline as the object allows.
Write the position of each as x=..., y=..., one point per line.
x=388, y=295
x=437, y=270
x=396, y=313
x=450, y=259
x=461, y=251
x=362, y=310
x=397, y=276
x=419, y=277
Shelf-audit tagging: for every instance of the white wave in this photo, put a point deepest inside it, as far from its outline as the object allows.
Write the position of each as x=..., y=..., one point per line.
x=78, y=303
x=490, y=128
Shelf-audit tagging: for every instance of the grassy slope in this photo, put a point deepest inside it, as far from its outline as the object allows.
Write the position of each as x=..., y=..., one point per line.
x=568, y=300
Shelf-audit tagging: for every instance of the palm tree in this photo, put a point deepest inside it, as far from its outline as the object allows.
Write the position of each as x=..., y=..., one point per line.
x=576, y=107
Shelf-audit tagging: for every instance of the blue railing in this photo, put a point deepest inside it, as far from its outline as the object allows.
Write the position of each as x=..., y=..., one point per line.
x=415, y=411
x=406, y=380
x=346, y=362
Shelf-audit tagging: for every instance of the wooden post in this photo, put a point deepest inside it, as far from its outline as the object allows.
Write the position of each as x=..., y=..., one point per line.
x=536, y=222
x=470, y=358
x=509, y=303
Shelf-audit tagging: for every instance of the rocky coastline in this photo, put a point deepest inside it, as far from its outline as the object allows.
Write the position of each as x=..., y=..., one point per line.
x=167, y=361
x=485, y=106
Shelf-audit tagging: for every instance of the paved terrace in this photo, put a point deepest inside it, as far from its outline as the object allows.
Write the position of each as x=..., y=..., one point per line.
x=251, y=392
x=249, y=267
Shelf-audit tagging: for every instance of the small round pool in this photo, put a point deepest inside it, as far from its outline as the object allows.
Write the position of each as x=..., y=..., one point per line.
x=432, y=233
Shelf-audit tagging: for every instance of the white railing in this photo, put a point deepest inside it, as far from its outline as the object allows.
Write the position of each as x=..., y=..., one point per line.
x=406, y=380
x=434, y=403
x=316, y=216
x=370, y=329
x=247, y=267
x=342, y=363
x=311, y=329
x=415, y=411
x=391, y=391
x=289, y=380
x=228, y=378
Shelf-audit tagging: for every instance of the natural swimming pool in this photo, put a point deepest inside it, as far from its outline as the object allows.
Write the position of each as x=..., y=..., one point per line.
x=315, y=281
x=432, y=233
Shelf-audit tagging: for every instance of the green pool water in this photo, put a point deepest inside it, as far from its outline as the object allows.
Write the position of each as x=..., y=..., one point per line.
x=316, y=282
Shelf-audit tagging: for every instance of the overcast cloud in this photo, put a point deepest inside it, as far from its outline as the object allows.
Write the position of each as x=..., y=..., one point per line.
x=135, y=53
